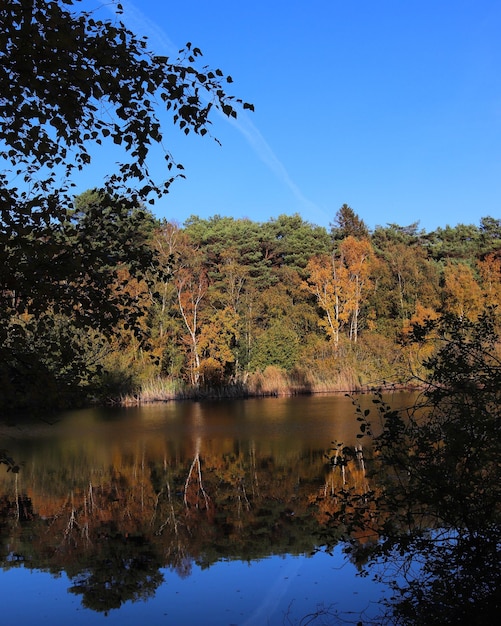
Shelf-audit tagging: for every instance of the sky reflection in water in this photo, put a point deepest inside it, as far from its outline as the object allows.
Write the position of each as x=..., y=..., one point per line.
x=274, y=591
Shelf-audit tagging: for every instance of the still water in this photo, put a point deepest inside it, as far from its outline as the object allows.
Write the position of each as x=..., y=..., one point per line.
x=181, y=513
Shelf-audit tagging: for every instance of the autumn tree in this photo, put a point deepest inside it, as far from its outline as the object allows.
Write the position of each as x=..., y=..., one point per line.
x=462, y=293
x=191, y=285
x=340, y=282
x=237, y=270
x=490, y=272
x=328, y=282
x=217, y=337
x=357, y=255
x=208, y=281
x=165, y=325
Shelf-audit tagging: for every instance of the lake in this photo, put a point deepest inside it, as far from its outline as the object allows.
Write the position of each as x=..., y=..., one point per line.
x=180, y=513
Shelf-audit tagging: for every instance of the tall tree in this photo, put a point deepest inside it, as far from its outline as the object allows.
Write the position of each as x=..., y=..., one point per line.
x=340, y=282
x=357, y=255
x=348, y=224
x=191, y=281
x=166, y=326
x=490, y=232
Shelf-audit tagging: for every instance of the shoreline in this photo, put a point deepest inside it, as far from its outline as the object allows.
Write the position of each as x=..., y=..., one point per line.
x=225, y=393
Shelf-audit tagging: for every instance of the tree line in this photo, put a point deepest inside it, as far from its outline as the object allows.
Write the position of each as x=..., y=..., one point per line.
x=118, y=304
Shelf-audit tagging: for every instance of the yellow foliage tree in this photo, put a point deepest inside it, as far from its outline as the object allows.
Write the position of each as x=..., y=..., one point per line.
x=340, y=282
x=357, y=256
x=490, y=273
x=462, y=293
x=216, y=336
x=328, y=281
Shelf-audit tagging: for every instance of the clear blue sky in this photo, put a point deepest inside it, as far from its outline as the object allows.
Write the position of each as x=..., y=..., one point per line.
x=390, y=106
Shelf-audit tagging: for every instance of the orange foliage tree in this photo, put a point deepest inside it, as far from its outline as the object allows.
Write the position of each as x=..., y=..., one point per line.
x=339, y=283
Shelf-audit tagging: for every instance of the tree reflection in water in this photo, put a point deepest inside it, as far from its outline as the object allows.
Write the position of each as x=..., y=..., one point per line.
x=124, y=568
x=113, y=530
x=432, y=515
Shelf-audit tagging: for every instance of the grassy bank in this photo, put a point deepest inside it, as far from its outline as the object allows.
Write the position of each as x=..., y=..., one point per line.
x=272, y=381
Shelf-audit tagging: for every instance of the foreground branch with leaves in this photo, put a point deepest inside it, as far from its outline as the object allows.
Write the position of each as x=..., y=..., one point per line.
x=71, y=82
x=434, y=514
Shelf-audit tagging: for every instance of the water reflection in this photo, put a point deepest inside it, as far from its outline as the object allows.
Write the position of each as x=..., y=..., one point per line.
x=199, y=499
x=117, y=498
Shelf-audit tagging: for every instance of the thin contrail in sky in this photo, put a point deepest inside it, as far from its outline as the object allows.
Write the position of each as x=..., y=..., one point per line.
x=264, y=151
x=161, y=42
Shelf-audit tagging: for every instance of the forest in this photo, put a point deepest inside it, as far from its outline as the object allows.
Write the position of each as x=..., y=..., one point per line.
x=114, y=305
